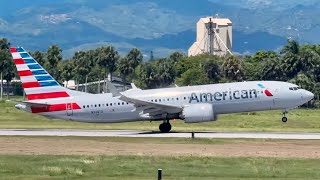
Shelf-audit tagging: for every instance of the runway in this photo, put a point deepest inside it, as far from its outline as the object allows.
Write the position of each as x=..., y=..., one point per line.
x=137, y=133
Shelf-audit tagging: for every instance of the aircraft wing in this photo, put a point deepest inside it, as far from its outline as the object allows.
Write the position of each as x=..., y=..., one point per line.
x=151, y=108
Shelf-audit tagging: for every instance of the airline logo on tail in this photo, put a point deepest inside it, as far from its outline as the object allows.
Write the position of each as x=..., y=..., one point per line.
x=266, y=91
x=38, y=84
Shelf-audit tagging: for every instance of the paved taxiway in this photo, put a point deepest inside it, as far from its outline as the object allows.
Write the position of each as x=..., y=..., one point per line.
x=136, y=133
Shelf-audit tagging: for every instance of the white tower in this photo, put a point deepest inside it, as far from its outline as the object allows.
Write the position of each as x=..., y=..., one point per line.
x=214, y=36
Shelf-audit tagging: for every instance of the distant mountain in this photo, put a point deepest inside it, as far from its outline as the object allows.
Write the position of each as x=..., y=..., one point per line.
x=161, y=26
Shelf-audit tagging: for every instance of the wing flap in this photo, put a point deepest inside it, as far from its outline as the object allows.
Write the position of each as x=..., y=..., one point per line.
x=151, y=108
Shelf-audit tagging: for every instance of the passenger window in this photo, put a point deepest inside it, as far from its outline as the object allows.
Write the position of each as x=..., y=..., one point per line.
x=177, y=99
x=87, y=106
x=159, y=100
x=107, y=104
x=99, y=105
x=168, y=99
x=84, y=106
x=151, y=100
x=155, y=100
x=184, y=98
x=110, y=104
x=95, y=105
x=119, y=104
x=122, y=103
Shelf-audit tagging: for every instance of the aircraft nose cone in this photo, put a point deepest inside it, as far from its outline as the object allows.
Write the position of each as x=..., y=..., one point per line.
x=308, y=96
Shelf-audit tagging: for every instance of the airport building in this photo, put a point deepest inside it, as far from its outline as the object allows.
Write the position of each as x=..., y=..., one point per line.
x=214, y=36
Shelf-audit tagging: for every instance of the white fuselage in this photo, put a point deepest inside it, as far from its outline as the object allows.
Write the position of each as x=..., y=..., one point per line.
x=225, y=98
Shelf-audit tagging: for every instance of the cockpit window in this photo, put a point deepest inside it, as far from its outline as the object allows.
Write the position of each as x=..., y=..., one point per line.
x=294, y=88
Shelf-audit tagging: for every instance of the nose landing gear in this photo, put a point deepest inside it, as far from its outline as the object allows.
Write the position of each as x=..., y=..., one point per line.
x=284, y=118
x=165, y=127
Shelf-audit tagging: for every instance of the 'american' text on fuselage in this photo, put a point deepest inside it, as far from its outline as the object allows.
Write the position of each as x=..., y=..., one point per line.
x=225, y=95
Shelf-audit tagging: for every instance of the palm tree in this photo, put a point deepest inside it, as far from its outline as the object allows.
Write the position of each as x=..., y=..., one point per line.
x=54, y=56
x=67, y=71
x=107, y=58
x=39, y=57
x=292, y=47
x=273, y=70
x=212, y=69
x=232, y=68
x=135, y=57
x=125, y=67
x=165, y=72
x=8, y=73
x=176, y=56
x=4, y=55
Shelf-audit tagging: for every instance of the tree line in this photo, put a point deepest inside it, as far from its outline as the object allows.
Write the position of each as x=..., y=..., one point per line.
x=299, y=64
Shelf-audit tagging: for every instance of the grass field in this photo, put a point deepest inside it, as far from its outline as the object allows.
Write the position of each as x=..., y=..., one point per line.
x=145, y=167
x=300, y=120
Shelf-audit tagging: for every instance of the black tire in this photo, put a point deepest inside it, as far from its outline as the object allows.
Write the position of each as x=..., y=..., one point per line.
x=284, y=119
x=165, y=127
x=168, y=127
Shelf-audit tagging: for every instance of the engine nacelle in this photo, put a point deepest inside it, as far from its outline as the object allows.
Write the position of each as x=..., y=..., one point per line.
x=196, y=113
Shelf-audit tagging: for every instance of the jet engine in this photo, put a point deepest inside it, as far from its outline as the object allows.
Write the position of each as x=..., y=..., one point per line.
x=196, y=113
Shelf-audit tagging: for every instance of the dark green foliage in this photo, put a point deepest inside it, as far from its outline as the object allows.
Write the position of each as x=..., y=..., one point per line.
x=40, y=57
x=53, y=58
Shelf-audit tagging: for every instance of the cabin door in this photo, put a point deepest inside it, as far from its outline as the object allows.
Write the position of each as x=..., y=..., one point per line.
x=69, y=109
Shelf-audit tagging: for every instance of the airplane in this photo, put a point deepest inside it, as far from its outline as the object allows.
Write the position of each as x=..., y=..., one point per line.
x=192, y=104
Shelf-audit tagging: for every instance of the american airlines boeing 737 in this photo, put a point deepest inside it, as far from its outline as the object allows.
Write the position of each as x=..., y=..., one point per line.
x=192, y=104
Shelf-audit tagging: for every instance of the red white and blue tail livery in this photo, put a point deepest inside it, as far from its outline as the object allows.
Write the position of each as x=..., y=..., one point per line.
x=40, y=87
x=192, y=104
x=36, y=81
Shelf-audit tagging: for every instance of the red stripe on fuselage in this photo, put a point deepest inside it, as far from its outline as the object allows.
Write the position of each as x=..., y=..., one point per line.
x=18, y=61
x=30, y=84
x=25, y=73
x=54, y=107
x=47, y=95
x=13, y=50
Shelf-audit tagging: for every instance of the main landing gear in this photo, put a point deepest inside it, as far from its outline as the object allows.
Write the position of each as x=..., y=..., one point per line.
x=165, y=127
x=284, y=118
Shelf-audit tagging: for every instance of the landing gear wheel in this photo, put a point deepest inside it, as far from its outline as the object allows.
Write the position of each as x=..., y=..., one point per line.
x=284, y=119
x=165, y=127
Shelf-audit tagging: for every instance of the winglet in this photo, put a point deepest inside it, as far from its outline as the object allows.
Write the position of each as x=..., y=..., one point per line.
x=134, y=86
